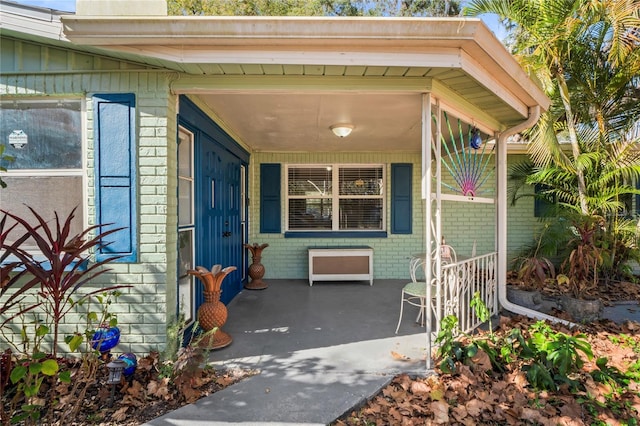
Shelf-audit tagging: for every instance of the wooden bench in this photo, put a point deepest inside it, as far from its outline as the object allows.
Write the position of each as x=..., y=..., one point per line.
x=340, y=263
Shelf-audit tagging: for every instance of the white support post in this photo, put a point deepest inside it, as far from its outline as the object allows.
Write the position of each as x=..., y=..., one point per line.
x=426, y=195
x=498, y=199
x=438, y=214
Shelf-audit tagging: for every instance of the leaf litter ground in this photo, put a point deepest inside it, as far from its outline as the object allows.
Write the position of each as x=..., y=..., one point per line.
x=477, y=395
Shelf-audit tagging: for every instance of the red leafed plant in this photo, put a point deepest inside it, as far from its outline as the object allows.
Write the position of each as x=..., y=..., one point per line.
x=533, y=268
x=586, y=257
x=8, y=280
x=60, y=268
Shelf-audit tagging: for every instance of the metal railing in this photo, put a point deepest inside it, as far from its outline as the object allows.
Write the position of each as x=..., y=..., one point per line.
x=458, y=284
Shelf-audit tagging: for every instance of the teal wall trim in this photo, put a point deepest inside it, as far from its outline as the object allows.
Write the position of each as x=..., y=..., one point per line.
x=115, y=159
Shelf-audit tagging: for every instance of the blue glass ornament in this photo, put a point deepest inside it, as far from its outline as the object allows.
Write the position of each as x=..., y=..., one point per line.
x=105, y=339
x=131, y=361
x=475, y=141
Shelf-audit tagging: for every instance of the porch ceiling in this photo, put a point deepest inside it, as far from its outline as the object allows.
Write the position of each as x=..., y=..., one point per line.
x=291, y=108
x=300, y=122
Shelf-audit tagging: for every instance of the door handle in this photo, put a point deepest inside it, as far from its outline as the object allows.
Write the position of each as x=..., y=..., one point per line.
x=226, y=234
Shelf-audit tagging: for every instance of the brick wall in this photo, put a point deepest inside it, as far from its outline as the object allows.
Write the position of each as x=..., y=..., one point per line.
x=462, y=223
x=145, y=308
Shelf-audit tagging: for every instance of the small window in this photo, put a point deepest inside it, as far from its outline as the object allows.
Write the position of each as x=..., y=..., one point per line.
x=185, y=178
x=186, y=225
x=335, y=198
x=45, y=138
x=543, y=201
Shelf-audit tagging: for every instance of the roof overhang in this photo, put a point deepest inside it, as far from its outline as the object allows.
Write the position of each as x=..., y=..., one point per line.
x=324, y=70
x=456, y=43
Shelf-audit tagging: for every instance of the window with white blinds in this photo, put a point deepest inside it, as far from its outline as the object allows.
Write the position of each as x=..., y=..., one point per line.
x=356, y=204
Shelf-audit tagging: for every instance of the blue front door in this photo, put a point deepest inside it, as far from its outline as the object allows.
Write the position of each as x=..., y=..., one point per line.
x=219, y=233
x=219, y=181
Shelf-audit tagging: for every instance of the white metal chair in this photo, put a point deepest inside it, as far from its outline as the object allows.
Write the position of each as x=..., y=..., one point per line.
x=447, y=254
x=415, y=292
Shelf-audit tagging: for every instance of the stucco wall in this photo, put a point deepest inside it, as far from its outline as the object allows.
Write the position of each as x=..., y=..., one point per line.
x=143, y=308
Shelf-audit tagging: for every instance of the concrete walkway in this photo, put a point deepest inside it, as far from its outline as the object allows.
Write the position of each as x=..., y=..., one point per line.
x=320, y=350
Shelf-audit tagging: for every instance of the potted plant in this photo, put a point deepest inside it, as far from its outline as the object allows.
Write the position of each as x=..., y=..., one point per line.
x=532, y=272
x=580, y=269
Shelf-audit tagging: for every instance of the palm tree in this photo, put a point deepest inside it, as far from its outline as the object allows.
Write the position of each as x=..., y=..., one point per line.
x=586, y=55
x=609, y=171
x=556, y=41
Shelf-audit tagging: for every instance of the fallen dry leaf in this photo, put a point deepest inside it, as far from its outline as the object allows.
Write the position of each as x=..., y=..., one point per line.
x=481, y=361
x=531, y=414
x=135, y=389
x=437, y=393
x=120, y=414
x=440, y=411
x=419, y=388
x=158, y=388
x=459, y=413
x=225, y=380
x=399, y=356
x=474, y=407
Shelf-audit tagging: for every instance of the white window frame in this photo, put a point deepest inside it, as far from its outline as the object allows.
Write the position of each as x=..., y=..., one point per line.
x=336, y=197
x=81, y=172
x=186, y=284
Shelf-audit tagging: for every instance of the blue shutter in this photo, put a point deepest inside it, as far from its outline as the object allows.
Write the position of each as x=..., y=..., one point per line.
x=401, y=198
x=270, y=216
x=115, y=172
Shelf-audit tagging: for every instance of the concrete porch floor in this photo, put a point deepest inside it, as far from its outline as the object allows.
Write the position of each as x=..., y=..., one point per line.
x=320, y=351
x=291, y=316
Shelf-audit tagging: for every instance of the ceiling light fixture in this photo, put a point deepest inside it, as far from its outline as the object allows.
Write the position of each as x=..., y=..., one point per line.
x=341, y=130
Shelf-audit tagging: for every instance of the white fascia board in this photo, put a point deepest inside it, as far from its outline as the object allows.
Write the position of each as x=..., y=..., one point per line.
x=318, y=40
x=243, y=30
x=436, y=58
x=503, y=61
x=298, y=83
x=34, y=21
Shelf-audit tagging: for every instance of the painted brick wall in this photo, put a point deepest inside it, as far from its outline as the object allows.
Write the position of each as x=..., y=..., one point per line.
x=287, y=258
x=463, y=223
x=145, y=308
x=523, y=225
